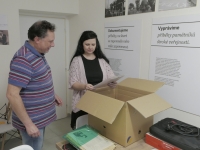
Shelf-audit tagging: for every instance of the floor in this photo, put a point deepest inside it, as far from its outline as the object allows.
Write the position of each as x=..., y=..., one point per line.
x=53, y=134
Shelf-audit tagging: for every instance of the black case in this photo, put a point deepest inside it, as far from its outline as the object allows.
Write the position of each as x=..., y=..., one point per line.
x=164, y=130
x=68, y=146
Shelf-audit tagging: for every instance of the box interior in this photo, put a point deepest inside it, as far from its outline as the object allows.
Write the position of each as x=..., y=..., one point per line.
x=122, y=93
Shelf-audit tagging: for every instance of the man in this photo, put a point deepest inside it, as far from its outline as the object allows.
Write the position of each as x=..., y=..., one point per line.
x=143, y=5
x=30, y=86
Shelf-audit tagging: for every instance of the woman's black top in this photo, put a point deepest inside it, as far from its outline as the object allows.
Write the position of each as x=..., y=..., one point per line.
x=94, y=74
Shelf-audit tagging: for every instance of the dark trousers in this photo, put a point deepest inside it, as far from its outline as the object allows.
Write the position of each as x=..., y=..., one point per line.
x=74, y=116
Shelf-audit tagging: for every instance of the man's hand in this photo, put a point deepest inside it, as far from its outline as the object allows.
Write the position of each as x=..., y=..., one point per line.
x=32, y=130
x=19, y=109
x=58, y=100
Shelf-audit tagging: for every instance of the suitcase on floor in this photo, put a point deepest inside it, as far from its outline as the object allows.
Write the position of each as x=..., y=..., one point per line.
x=177, y=133
x=158, y=143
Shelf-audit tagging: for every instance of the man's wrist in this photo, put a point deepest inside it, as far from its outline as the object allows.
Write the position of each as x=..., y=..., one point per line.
x=28, y=123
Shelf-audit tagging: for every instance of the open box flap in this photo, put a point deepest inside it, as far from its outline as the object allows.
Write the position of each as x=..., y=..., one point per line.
x=100, y=106
x=149, y=105
x=142, y=84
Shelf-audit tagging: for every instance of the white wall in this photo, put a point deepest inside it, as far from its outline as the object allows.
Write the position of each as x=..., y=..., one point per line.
x=56, y=6
x=91, y=17
x=10, y=8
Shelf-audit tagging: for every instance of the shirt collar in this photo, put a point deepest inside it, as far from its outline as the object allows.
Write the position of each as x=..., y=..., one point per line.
x=32, y=49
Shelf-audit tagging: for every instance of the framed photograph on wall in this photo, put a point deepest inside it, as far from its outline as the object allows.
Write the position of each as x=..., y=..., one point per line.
x=4, y=40
x=141, y=6
x=176, y=4
x=114, y=8
x=4, y=37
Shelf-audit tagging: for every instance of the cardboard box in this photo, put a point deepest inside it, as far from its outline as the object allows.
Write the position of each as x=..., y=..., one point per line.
x=158, y=143
x=125, y=113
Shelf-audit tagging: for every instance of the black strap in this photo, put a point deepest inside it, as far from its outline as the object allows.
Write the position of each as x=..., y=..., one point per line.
x=186, y=130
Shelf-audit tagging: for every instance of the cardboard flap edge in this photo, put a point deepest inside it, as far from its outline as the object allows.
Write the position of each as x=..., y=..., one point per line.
x=152, y=109
x=102, y=100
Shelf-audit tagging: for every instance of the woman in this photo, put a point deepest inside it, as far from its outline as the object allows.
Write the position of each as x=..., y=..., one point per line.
x=88, y=66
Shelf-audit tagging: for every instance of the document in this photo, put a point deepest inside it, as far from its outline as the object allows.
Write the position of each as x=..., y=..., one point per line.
x=86, y=138
x=105, y=82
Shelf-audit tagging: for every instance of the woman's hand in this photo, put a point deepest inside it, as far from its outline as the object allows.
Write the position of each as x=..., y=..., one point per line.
x=89, y=87
x=112, y=84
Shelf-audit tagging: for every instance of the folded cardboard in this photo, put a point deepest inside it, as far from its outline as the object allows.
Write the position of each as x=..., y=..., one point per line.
x=125, y=113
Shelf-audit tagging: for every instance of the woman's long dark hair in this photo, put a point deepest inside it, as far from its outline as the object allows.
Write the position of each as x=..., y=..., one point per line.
x=86, y=35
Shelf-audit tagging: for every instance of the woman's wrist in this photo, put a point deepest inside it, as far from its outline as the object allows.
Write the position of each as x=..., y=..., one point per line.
x=85, y=85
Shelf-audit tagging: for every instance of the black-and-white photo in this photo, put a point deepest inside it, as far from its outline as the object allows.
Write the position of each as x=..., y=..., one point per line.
x=141, y=6
x=176, y=4
x=114, y=8
x=4, y=37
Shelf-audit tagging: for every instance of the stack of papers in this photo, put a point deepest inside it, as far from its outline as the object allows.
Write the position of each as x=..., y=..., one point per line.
x=105, y=82
x=86, y=138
